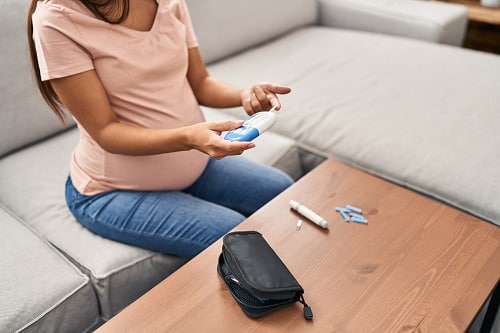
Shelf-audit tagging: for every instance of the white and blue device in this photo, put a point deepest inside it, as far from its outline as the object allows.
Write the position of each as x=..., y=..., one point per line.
x=252, y=127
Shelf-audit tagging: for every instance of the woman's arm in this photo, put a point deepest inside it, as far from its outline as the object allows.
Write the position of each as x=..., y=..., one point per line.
x=85, y=98
x=214, y=93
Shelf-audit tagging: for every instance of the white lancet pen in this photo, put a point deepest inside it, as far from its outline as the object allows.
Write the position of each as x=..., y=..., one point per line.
x=309, y=214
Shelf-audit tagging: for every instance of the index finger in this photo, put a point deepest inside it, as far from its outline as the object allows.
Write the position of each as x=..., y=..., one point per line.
x=277, y=88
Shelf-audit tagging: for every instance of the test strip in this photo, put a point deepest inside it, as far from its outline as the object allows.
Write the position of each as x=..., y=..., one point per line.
x=344, y=216
x=354, y=209
x=359, y=219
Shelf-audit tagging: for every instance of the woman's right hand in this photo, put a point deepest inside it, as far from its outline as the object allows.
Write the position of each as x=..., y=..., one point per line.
x=206, y=138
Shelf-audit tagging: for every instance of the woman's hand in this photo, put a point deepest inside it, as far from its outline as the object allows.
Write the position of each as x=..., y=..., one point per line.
x=262, y=97
x=206, y=138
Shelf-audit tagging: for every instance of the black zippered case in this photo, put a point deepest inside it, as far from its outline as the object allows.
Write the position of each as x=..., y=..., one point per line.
x=257, y=278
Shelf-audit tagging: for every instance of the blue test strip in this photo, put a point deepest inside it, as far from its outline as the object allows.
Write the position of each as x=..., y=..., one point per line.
x=344, y=213
x=354, y=209
x=351, y=213
x=359, y=219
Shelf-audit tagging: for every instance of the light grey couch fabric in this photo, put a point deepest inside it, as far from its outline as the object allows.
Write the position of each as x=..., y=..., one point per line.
x=434, y=21
x=25, y=118
x=41, y=291
x=388, y=105
x=118, y=272
x=422, y=115
x=226, y=27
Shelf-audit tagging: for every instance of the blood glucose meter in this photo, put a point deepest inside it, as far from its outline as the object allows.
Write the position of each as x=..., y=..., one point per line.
x=252, y=127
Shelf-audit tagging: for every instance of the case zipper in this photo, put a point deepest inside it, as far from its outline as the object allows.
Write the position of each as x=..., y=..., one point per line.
x=308, y=314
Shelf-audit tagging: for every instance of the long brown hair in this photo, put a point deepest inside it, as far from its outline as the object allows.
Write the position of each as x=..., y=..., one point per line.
x=111, y=11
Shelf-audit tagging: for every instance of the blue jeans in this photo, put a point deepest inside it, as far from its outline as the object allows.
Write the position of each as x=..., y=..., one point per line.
x=181, y=223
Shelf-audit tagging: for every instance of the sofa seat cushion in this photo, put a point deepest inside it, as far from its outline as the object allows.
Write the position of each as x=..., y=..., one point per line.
x=420, y=114
x=41, y=289
x=33, y=188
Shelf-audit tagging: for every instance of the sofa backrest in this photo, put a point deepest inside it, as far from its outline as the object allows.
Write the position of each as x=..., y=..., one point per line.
x=24, y=116
x=224, y=27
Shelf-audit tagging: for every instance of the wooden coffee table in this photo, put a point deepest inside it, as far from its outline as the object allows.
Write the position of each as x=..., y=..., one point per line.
x=417, y=266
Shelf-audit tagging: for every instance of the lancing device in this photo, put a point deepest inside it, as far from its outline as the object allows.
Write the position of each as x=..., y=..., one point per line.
x=252, y=127
x=306, y=212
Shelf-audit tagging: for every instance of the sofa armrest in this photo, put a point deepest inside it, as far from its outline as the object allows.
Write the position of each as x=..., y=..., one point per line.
x=426, y=20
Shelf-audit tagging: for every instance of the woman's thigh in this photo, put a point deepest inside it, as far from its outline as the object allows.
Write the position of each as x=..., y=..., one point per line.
x=171, y=222
x=240, y=184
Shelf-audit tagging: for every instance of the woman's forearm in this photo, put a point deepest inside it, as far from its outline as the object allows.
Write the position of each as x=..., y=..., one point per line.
x=217, y=94
x=119, y=138
x=209, y=91
x=125, y=139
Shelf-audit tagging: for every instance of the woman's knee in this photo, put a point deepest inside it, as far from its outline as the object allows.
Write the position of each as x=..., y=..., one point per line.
x=278, y=181
x=285, y=180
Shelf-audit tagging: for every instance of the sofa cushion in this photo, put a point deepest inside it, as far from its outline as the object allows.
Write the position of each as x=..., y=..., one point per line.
x=270, y=148
x=40, y=288
x=250, y=23
x=25, y=118
x=33, y=188
x=422, y=115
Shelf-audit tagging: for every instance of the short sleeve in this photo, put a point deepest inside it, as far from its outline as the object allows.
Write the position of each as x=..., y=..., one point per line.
x=59, y=46
x=185, y=17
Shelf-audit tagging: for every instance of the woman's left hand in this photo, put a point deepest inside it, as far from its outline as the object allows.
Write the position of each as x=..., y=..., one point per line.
x=262, y=97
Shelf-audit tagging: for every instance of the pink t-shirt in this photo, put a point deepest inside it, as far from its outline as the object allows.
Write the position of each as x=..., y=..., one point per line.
x=144, y=74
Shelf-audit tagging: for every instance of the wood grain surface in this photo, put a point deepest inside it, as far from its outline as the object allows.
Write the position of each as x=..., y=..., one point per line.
x=417, y=266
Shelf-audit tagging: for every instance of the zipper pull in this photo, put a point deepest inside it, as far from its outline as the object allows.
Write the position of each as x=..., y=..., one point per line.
x=234, y=280
x=308, y=314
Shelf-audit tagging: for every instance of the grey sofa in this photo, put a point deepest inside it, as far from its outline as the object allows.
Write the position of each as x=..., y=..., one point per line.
x=381, y=85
